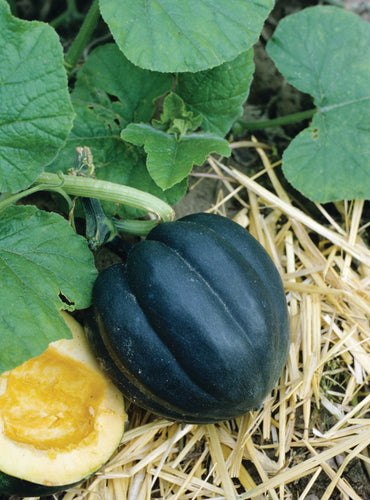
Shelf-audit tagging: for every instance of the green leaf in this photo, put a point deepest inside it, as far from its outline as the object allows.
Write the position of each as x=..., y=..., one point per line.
x=190, y=35
x=129, y=92
x=218, y=94
x=175, y=119
x=325, y=51
x=110, y=92
x=35, y=109
x=44, y=267
x=170, y=159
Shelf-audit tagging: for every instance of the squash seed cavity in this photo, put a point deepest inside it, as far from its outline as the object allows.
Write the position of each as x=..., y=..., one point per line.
x=51, y=402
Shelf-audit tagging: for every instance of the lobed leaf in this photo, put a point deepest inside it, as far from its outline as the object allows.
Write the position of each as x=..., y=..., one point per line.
x=44, y=267
x=218, y=94
x=175, y=118
x=35, y=109
x=191, y=35
x=170, y=159
x=325, y=51
x=110, y=92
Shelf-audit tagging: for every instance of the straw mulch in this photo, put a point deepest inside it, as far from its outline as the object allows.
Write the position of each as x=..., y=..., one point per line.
x=315, y=424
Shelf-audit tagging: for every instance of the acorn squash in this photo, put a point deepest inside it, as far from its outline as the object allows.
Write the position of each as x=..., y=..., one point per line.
x=194, y=326
x=61, y=419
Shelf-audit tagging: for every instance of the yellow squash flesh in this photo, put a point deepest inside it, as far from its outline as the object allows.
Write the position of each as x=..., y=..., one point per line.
x=61, y=419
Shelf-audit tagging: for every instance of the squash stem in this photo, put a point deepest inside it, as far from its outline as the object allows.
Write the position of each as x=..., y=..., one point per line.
x=142, y=227
x=109, y=191
x=99, y=227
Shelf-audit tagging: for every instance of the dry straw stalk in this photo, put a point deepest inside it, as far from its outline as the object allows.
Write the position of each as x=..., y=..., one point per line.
x=315, y=422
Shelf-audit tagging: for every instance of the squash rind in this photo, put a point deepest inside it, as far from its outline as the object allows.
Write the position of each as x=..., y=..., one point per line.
x=259, y=259
x=191, y=324
x=26, y=470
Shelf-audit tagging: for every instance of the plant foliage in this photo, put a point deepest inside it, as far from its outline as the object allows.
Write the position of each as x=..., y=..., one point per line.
x=329, y=59
x=40, y=275
x=36, y=113
x=148, y=107
x=190, y=35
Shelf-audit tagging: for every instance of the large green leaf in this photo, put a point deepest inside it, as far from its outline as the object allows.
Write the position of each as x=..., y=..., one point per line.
x=128, y=92
x=35, y=110
x=44, y=267
x=325, y=51
x=218, y=94
x=186, y=35
x=110, y=92
x=170, y=159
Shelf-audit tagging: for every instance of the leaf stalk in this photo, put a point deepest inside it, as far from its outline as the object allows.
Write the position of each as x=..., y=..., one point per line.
x=275, y=122
x=87, y=28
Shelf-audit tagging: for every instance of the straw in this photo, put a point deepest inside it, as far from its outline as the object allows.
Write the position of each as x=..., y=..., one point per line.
x=315, y=422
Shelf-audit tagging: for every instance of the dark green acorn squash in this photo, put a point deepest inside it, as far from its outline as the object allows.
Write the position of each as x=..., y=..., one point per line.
x=194, y=326
x=61, y=419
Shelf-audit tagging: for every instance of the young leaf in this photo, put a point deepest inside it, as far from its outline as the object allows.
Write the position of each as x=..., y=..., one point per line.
x=325, y=51
x=190, y=35
x=170, y=159
x=110, y=92
x=218, y=94
x=44, y=267
x=175, y=119
x=35, y=109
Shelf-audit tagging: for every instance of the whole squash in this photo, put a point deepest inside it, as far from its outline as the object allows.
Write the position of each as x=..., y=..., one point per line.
x=194, y=326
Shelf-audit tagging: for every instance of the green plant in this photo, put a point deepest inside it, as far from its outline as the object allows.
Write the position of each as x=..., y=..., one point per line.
x=194, y=326
x=62, y=419
x=148, y=106
x=329, y=160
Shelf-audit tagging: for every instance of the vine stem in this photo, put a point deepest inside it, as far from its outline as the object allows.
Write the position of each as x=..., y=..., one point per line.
x=132, y=226
x=83, y=36
x=9, y=199
x=108, y=191
x=275, y=122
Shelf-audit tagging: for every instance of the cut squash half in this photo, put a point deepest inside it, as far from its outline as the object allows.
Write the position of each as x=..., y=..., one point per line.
x=61, y=419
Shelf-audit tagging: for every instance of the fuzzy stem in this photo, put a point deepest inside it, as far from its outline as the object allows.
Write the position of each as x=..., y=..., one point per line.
x=83, y=36
x=9, y=199
x=108, y=191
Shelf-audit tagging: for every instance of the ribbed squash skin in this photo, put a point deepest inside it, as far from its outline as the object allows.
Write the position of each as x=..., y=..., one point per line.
x=194, y=327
